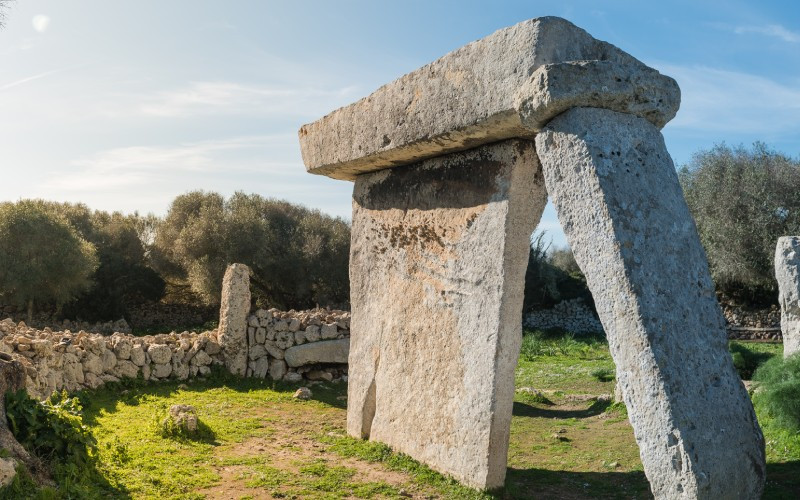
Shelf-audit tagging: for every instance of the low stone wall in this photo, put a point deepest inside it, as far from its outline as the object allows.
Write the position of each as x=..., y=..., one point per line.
x=738, y=316
x=56, y=360
x=44, y=320
x=742, y=324
x=574, y=316
x=290, y=346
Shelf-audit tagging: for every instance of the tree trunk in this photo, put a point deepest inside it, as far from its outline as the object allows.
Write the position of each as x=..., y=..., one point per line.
x=30, y=311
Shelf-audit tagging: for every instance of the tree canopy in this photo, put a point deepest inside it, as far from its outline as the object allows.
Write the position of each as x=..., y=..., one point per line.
x=43, y=259
x=299, y=257
x=743, y=200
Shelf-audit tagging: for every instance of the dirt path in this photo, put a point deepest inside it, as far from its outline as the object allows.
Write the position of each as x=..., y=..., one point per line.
x=287, y=456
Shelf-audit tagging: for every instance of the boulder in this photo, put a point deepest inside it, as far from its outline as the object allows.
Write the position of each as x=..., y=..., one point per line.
x=184, y=417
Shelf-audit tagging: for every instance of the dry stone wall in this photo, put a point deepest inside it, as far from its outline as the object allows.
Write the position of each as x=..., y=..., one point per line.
x=292, y=345
x=574, y=316
x=56, y=360
x=62, y=359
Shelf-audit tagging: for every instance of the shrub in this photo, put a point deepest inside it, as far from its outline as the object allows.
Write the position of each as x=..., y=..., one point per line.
x=604, y=374
x=299, y=257
x=124, y=276
x=53, y=429
x=43, y=259
x=779, y=390
x=742, y=200
x=552, y=277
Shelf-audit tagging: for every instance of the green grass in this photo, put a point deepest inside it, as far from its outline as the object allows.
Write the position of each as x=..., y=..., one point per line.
x=568, y=440
x=562, y=362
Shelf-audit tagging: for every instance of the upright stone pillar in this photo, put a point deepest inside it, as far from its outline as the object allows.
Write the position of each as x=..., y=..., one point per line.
x=618, y=199
x=233, y=311
x=787, y=272
x=437, y=264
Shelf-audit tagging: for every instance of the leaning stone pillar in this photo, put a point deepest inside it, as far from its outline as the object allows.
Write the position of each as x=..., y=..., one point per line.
x=787, y=272
x=618, y=199
x=437, y=267
x=233, y=312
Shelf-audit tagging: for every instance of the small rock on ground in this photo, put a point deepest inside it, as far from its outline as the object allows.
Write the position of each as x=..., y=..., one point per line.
x=302, y=393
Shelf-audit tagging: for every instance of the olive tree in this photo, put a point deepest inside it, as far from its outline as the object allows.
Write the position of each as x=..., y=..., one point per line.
x=743, y=200
x=299, y=257
x=43, y=259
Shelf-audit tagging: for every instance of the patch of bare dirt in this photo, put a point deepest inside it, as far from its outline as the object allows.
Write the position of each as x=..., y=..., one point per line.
x=289, y=444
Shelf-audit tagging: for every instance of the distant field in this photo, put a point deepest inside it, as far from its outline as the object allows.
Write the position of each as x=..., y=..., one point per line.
x=567, y=439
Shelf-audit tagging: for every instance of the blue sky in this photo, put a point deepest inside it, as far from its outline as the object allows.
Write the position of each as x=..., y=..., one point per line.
x=123, y=105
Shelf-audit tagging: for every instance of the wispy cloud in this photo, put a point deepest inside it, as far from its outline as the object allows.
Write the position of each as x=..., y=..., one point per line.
x=199, y=98
x=22, y=81
x=773, y=30
x=136, y=164
x=718, y=100
x=147, y=178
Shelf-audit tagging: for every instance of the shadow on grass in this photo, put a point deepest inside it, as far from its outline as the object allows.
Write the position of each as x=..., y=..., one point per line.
x=525, y=410
x=131, y=392
x=550, y=484
x=783, y=481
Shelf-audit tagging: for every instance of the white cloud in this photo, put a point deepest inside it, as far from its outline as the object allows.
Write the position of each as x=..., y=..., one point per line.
x=41, y=23
x=199, y=98
x=774, y=30
x=147, y=178
x=137, y=164
x=21, y=81
x=718, y=100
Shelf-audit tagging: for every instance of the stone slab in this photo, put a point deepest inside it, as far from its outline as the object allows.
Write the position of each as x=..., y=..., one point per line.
x=787, y=273
x=437, y=264
x=507, y=85
x=326, y=351
x=233, y=312
x=617, y=196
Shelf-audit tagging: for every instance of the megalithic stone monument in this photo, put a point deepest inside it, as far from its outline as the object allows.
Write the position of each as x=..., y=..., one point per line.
x=448, y=187
x=787, y=273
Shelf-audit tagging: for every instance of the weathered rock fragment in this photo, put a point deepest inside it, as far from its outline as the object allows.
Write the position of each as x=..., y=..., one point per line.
x=183, y=417
x=618, y=199
x=787, y=273
x=234, y=309
x=437, y=260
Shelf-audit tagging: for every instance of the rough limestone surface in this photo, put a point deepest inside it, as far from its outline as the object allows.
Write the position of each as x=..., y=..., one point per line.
x=438, y=256
x=787, y=273
x=184, y=417
x=234, y=310
x=326, y=351
x=507, y=85
x=8, y=471
x=617, y=196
